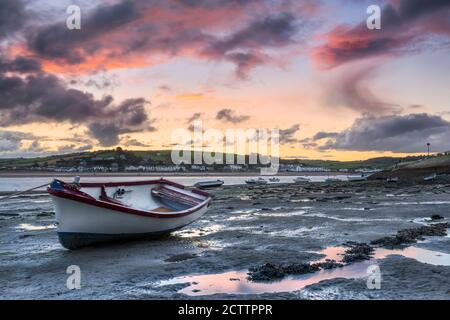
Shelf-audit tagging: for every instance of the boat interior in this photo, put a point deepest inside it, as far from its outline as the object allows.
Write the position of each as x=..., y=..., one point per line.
x=154, y=197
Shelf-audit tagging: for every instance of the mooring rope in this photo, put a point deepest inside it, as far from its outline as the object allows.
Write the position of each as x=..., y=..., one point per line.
x=22, y=192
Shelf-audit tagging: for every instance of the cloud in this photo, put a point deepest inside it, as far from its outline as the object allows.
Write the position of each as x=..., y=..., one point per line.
x=12, y=17
x=228, y=115
x=323, y=135
x=34, y=96
x=12, y=140
x=135, y=143
x=402, y=25
x=287, y=136
x=140, y=33
x=36, y=147
x=129, y=116
x=190, y=121
x=20, y=64
x=243, y=47
x=71, y=148
x=395, y=133
x=56, y=42
x=349, y=87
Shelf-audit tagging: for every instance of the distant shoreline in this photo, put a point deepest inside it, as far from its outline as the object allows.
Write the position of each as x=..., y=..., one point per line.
x=25, y=174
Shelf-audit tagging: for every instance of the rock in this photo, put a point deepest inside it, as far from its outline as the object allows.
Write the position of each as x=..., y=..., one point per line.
x=357, y=252
x=329, y=264
x=181, y=257
x=266, y=272
x=271, y=271
x=23, y=236
x=408, y=236
x=435, y=217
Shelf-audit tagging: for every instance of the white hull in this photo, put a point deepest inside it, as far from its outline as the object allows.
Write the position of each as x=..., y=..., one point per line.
x=90, y=214
x=76, y=217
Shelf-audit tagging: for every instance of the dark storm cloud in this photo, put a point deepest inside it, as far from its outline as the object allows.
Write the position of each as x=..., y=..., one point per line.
x=287, y=136
x=409, y=10
x=228, y=115
x=407, y=134
x=36, y=97
x=242, y=47
x=71, y=148
x=134, y=28
x=135, y=143
x=271, y=31
x=19, y=64
x=351, y=89
x=12, y=17
x=56, y=41
x=130, y=116
x=190, y=121
x=12, y=140
x=323, y=135
x=401, y=26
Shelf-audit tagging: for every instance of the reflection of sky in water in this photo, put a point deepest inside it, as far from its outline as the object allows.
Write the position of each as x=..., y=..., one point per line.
x=419, y=254
x=22, y=183
x=236, y=282
x=31, y=227
x=327, y=216
x=409, y=203
x=198, y=232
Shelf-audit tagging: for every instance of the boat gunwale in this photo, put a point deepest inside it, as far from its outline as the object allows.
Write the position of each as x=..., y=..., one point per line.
x=86, y=199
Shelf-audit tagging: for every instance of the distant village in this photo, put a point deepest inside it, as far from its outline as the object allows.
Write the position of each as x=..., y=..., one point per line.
x=123, y=162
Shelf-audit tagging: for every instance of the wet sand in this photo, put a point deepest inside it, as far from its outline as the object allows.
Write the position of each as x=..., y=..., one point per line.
x=246, y=227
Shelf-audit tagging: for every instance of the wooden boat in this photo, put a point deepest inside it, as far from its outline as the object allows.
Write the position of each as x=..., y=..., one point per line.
x=301, y=180
x=332, y=180
x=209, y=184
x=89, y=213
x=362, y=177
x=256, y=181
x=430, y=177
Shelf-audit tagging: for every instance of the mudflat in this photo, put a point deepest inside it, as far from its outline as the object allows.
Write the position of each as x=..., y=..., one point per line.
x=315, y=241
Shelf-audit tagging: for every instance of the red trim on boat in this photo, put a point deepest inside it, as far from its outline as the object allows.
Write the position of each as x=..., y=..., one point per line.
x=82, y=197
x=130, y=183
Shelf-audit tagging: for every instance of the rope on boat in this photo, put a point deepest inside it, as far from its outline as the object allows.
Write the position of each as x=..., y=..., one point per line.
x=22, y=192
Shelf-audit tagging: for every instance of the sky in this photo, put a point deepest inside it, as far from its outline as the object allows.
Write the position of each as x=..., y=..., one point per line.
x=138, y=70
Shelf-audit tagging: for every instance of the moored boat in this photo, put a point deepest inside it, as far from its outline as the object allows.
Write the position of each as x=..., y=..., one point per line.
x=209, y=184
x=256, y=181
x=330, y=180
x=89, y=213
x=430, y=177
x=301, y=180
x=362, y=177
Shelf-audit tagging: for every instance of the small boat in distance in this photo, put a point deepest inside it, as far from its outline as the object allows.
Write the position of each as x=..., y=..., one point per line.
x=274, y=179
x=256, y=181
x=362, y=177
x=430, y=177
x=90, y=213
x=301, y=180
x=392, y=180
x=209, y=184
x=332, y=180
